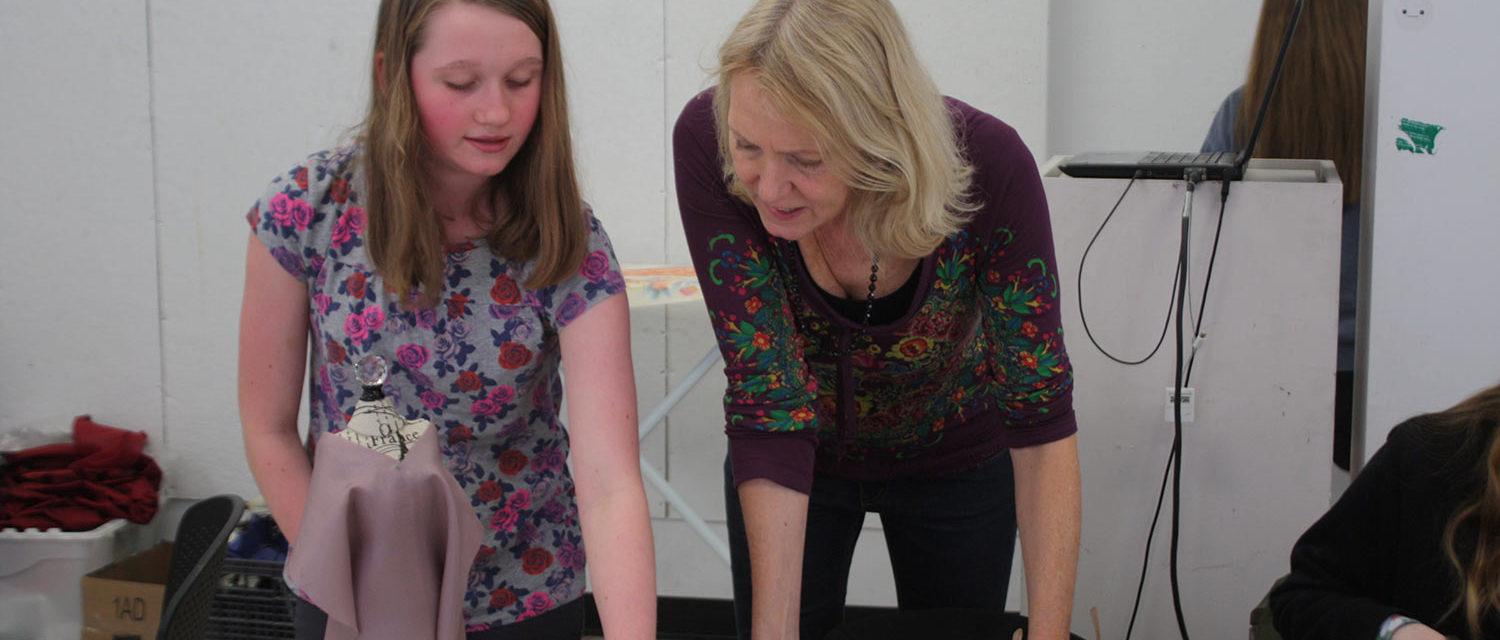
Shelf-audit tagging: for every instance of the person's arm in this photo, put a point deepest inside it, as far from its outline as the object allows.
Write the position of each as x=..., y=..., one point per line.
x=1048, y=514
x=600, y=392
x=272, y=360
x=1221, y=132
x=770, y=400
x=1019, y=286
x=1343, y=566
x=1417, y=631
x=775, y=531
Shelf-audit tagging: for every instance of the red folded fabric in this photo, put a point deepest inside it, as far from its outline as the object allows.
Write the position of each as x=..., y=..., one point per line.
x=102, y=475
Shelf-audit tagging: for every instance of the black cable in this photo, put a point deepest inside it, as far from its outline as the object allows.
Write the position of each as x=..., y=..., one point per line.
x=1161, y=493
x=1140, y=586
x=1166, y=324
x=1182, y=274
x=1208, y=278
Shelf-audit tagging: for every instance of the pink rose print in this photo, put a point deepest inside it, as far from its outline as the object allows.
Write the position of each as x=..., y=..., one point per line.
x=287, y=211
x=411, y=356
x=539, y=601
x=354, y=327
x=505, y=520
x=595, y=265
x=373, y=318
x=484, y=408
x=355, y=216
x=502, y=394
x=520, y=499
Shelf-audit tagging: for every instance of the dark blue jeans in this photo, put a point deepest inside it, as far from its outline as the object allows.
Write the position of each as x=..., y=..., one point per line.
x=950, y=541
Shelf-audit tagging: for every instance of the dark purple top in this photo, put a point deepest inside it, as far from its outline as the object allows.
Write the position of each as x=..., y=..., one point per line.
x=975, y=365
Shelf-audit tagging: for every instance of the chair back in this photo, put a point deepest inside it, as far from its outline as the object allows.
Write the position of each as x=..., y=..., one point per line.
x=197, y=556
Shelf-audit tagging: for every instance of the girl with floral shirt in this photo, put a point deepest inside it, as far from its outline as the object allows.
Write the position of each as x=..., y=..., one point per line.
x=451, y=240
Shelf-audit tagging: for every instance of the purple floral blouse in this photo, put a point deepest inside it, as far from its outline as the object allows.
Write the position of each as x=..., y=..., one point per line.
x=974, y=366
x=482, y=366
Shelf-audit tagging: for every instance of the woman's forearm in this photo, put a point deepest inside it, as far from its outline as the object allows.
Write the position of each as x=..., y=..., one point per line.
x=775, y=529
x=272, y=358
x=622, y=565
x=1048, y=515
x=282, y=471
x=600, y=387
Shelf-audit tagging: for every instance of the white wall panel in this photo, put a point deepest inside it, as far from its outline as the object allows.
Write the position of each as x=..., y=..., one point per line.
x=79, y=331
x=242, y=92
x=1429, y=337
x=1143, y=75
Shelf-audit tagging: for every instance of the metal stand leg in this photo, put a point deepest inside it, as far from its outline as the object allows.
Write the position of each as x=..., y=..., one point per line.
x=651, y=475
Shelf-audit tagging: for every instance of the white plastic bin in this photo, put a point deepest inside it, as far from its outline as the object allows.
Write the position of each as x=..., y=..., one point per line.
x=41, y=573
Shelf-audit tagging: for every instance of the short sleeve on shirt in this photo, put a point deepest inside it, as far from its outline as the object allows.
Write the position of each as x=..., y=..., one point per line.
x=598, y=278
x=306, y=210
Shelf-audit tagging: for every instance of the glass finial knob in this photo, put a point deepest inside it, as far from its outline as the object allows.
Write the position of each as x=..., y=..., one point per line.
x=371, y=371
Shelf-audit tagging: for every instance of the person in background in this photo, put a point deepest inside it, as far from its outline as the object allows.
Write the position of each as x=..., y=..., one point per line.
x=878, y=267
x=1412, y=549
x=1317, y=112
x=452, y=241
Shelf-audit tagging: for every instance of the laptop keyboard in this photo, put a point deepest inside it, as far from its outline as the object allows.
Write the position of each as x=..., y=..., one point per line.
x=1175, y=158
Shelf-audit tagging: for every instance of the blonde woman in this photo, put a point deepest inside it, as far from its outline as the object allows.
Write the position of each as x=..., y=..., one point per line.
x=452, y=241
x=1411, y=551
x=878, y=265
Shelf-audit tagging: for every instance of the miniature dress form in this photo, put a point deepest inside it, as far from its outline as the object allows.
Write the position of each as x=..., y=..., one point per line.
x=387, y=535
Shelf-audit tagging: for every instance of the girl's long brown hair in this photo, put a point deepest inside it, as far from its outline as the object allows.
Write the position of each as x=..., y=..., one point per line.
x=540, y=213
x=1475, y=421
x=1319, y=106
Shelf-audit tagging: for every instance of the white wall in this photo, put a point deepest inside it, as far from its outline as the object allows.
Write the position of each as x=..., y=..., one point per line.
x=139, y=131
x=1428, y=337
x=79, y=328
x=1142, y=75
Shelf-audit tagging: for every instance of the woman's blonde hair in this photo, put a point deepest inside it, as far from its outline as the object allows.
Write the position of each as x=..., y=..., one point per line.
x=845, y=71
x=542, y=217
x=1475, y=420
x=1319, y=107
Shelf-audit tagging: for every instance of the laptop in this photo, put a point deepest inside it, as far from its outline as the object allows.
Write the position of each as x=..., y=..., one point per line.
x=1173, y=165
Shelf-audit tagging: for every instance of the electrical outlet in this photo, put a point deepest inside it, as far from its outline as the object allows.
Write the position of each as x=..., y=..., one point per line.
x=1187, y=404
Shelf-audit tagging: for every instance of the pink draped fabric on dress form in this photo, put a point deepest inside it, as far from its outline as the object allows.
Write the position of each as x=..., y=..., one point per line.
x=385, y=546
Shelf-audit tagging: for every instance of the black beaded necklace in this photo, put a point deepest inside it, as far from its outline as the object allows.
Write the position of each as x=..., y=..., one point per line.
x=796, y=294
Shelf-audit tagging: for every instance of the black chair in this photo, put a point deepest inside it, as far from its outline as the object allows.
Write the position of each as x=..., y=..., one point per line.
x=197, y=556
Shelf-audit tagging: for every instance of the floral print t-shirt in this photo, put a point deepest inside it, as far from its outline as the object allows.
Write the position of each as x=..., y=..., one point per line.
x=482, y=365
x=975, y=365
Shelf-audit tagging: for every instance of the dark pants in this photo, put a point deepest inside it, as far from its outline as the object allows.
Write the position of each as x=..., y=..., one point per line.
x=562, y=623
x=950, y=541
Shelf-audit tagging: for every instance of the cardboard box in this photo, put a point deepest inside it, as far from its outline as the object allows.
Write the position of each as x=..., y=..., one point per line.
x=124, y=600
